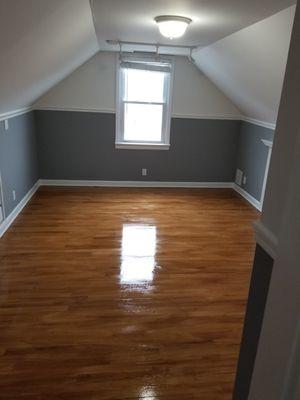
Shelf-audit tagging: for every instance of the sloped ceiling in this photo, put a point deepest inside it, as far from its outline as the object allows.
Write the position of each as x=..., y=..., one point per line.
x=41, y=42
x=249, y=65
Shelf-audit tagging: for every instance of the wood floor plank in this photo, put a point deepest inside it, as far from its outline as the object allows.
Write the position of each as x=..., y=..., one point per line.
x=109, y=293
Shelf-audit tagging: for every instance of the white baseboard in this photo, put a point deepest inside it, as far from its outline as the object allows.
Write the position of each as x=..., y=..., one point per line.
x=96, y=183
x=153, y=184
x=255, y=203
x=158, y=184
x=16, y=211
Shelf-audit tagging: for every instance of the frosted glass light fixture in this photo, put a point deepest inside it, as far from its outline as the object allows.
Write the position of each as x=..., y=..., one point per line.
x=172, y=26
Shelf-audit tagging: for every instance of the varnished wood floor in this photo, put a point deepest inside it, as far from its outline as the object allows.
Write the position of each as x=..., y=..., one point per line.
x=124, y=294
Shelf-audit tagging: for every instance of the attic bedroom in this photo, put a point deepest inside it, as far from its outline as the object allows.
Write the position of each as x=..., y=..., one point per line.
x=147, y=154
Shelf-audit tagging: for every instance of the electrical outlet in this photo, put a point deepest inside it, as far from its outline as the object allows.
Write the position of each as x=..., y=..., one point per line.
x=14, y=195
x=244, y=180
x=144, y=171
x=6, y=126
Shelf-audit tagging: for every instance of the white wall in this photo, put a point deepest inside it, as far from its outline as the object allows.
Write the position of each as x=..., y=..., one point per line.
x=195, y=95
x=92, y=87
x=249, y=65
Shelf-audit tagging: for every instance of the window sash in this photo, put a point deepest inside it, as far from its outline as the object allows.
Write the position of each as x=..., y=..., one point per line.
x=167, y=78
x=163, y=127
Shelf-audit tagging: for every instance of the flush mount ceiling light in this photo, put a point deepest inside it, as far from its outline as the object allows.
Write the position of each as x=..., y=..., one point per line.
x=172, y=26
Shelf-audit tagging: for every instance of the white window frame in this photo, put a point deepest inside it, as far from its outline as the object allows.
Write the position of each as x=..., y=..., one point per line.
x=164, y=143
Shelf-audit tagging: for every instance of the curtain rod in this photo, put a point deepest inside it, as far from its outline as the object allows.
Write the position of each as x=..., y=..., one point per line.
x=157, y=45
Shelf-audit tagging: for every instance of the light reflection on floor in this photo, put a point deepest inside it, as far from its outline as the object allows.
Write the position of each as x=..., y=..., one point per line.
x=138, y=255
x=147, y=393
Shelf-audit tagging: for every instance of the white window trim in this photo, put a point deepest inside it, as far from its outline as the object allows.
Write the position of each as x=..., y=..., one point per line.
x=164, y=144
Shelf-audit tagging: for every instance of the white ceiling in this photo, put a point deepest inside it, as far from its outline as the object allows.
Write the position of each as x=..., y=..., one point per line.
x=132, y=20
x=41, y=42
x=249, y=65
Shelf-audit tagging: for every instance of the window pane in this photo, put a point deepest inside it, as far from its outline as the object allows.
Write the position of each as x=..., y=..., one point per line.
x=143, y=122
x=147, y=86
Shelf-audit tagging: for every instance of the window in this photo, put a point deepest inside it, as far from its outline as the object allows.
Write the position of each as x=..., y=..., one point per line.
x=143, y=103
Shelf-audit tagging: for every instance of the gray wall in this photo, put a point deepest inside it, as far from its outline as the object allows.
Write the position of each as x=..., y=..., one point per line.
x=18, y=159
x=80, y=145
x=252, y=156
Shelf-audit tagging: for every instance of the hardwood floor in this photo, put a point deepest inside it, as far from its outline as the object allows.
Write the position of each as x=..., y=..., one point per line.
x=124, y=294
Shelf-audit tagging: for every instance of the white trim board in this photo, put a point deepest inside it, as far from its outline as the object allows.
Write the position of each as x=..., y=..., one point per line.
x=213, y=117
x=142, y=146
x=17, y=210
x=137, y=184
x=113, y=111
x=75, y=109
x=264, y=124
x=268, y=143
x=255, y=203
x=15, y=113
x=24, y=110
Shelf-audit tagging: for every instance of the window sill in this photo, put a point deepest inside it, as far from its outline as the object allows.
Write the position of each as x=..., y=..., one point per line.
x=142, y=146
